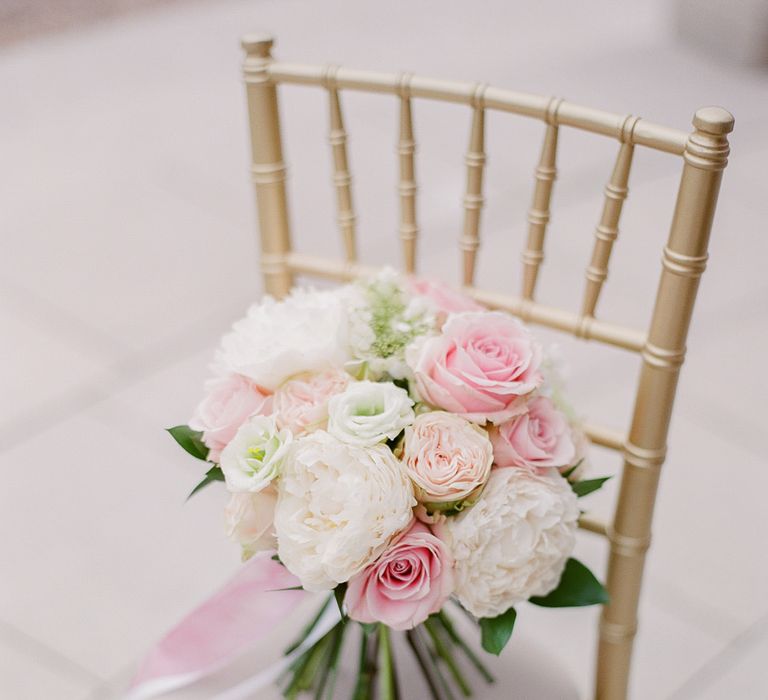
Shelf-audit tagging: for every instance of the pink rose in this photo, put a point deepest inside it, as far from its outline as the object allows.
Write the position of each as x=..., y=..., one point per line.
x=447, y=457
x=442, y=298
x=301, y=403
x=541, y=437
x=482, y=366
x=231, y=400
x=250, y=520
x=579, y=462
x=409, y=582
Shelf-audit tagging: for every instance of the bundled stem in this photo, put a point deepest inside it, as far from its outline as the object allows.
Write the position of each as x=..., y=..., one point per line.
x=433, y=644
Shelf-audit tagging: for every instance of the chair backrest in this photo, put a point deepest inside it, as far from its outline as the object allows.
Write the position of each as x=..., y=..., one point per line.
x=704, y=153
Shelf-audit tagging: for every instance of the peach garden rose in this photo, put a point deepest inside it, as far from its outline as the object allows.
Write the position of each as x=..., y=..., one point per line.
x=448, y=459
x=482, y=366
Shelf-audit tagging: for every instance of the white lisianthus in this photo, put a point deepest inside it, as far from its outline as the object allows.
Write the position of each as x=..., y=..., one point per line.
x=367, y=413
x=305, y=332
x=339, y=506
x=252, y=460
x=514, y=542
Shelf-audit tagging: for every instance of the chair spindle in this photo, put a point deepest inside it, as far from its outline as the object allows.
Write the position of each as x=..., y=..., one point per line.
x=406, y=147
x=268, y=170
x=473, y=199
x=608, y=229
x=538, y=214
x=342, y=178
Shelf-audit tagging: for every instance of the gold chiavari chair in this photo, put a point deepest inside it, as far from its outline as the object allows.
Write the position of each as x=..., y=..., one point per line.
x=704, y=153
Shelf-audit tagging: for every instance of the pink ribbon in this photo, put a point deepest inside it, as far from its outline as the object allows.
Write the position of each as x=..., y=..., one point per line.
x=223, y=627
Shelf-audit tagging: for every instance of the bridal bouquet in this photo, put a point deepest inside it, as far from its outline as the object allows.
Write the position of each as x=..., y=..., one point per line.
x=407, y=451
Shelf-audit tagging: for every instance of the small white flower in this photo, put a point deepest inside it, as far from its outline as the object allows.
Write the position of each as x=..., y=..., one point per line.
x=254, y=457
x=338, y=508
x=367, y=413
x=514, y=542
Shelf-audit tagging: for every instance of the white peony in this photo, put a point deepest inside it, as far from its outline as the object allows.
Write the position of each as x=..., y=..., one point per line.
x=514, y=542
x=307, y=331
x=255, y=455
x=338, y=507
x=367, y=413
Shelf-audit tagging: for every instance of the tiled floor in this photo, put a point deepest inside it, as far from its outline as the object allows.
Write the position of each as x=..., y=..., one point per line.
x=127, y=223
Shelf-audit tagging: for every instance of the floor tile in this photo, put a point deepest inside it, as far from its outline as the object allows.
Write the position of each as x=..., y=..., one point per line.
x=111, y=526
x=22, y=677
x=738, y=671
x=41, y=365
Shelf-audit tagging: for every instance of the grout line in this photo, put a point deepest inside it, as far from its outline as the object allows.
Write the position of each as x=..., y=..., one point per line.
x=59, y=320
x=690, y=609
x=125, y=372
x=723, y=661
x=45, y=654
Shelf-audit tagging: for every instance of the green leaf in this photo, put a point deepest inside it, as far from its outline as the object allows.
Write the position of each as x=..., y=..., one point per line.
x=496, y=631
x=578, y=586
x=190, y=440
x=582, y=488
x=569, y=472
x=339, y=592
x=213, y=474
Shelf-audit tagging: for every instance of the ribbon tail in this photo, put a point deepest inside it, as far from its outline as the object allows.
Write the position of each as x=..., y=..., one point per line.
x=246, y=689
x=220, y=629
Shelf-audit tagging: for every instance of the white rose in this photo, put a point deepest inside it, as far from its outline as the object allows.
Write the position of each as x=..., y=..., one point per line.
x=514, y=542
x=338, y=507
x=249, y=521
x=366, y=413
x=254, y=456
x=305, y=332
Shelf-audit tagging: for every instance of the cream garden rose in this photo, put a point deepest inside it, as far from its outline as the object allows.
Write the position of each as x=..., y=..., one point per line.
x=249, y=520
x=305, y=332
x=367, y=413
x=338, y=508
x=447, y=457
x=254, y=457
x=514, y=542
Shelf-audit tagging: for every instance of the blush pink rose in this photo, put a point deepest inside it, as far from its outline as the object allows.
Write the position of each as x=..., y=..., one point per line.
x=229, y=402
x=442, y=298
x=409, y=582
x=447, y=458
x=482, y=366
x=301, y=403
x=540, y=437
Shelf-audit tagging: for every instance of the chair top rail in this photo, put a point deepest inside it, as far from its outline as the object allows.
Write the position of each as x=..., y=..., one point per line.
x=619, y=126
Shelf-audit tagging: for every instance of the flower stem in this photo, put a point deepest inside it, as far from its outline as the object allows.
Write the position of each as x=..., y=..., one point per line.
x=422, y=657
x=328, y=679
x=387, y=686
x=447, y=624
x=308, y=629
x=304, y=678
x=445, y=654
x=361, y=688
x=442, y=680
